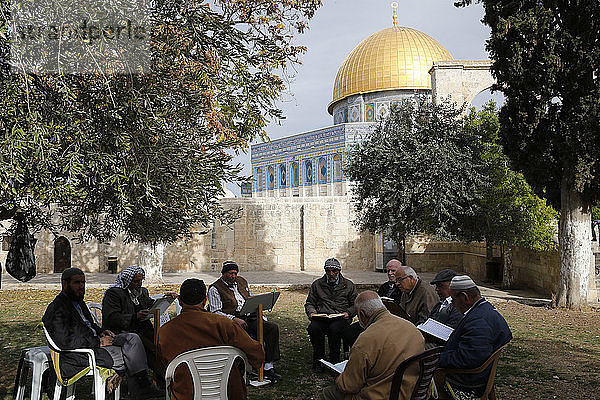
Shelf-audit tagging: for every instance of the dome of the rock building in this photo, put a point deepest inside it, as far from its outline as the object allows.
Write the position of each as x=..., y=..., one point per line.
x=396, y=58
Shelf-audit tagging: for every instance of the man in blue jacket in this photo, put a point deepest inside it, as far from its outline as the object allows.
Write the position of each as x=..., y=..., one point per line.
x=480, y=333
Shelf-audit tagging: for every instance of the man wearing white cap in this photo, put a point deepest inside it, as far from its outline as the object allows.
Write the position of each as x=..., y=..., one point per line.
x=481, y=332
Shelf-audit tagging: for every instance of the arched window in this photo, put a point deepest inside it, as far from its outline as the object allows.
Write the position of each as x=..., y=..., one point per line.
x=295, y=175
x=260, y=179
x=282, y=176
x=271, y=178
x=322, y=170
x=308, y=172
x=337, y=168
x=62, y=254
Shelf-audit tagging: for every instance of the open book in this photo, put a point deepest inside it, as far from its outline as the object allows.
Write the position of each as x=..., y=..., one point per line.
x=394, y=308
x=435, y=328
x=328, y=315
x=162, y=303
x=339, y=367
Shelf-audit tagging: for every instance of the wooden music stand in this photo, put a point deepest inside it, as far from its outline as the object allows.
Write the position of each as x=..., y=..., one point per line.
x=259, y=303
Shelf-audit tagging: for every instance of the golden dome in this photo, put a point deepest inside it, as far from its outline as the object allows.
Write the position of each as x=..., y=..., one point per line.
x=393, y=58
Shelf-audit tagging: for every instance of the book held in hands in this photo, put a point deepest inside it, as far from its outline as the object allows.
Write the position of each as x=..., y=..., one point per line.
x=321, y=315
x=437, y=329
x=161, y=304
x=339, y=367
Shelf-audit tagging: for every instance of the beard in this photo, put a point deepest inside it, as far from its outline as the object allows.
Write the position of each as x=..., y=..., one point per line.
x=73, y=295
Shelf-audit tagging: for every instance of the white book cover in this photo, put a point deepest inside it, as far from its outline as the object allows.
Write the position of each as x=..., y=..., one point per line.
x=436, y=329
x=339, y=367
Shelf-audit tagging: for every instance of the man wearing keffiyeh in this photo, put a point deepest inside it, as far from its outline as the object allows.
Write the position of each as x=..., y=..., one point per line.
x=124, y=309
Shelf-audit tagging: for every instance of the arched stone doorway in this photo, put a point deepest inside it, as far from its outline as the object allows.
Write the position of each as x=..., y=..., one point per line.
x=62, y=254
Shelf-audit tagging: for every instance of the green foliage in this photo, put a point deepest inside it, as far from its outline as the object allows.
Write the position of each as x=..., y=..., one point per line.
x=418, y=172
x=145, y=154
x=546, y=65
x=509, y=213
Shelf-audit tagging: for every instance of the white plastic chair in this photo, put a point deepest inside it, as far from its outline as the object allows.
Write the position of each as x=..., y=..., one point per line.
x=164, y=317
x=210, y=368
x=99, y=385
x=96, y=311
x=36, y=359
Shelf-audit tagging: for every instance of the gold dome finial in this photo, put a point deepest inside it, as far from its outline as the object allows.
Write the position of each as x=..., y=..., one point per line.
x=395, y=6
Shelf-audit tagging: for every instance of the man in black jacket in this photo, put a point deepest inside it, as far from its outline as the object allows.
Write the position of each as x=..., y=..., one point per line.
x=124, y=309
x=71, y=326
x=444, y=311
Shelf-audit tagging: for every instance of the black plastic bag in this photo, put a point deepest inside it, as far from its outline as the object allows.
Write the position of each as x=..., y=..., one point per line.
x=20, y=261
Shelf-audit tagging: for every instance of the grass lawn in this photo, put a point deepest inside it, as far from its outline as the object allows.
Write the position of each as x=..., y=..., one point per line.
x=555, y=354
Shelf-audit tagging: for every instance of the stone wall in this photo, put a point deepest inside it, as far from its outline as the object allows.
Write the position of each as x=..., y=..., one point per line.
x=290, y=234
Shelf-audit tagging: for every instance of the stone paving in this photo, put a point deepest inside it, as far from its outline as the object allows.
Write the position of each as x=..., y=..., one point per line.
x=281, y=279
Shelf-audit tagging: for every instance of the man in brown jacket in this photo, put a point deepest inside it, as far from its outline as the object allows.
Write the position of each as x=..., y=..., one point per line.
x=418, y=298
x=386, y=342
x=195, y=328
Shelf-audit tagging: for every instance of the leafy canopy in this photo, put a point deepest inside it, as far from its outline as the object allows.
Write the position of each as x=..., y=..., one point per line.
x=546, y=55
x=145, y=153
x=418, y=172
x=509, y=212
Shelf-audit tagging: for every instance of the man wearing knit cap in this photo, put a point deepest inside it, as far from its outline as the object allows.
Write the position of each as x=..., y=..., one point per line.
x=418, y=298
x=197, y=328
x=71, y=326
x=481, y=331
x=331, y=294
x=226, y=297
x=444, y=311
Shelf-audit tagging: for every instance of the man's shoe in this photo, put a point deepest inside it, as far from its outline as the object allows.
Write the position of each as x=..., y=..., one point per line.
x=141, y=388
x=271, y=375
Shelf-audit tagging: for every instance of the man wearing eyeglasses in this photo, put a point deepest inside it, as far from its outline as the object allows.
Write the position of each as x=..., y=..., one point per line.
x=418, y=298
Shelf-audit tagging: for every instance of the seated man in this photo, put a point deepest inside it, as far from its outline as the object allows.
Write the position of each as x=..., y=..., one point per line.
x=387, y=289
x=124, y=309
x=331, y=294
x=386, y=342
x=480, y=333
x=71, y=326
x=227, y=296
x=196, y=328
x=418, y=298
x=444, y=311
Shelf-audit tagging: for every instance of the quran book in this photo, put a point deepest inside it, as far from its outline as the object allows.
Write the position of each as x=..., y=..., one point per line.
x=394, y=308
x=339, y=315
x=161, y=304
x=435, y=328
x=339, y=367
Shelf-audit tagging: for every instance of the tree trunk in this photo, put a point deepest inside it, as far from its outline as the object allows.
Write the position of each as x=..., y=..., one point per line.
x=151, y=259
x=574, y=248
x=508, y=278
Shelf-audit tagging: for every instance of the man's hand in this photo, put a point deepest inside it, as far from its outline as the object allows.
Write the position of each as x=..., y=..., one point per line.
x=240, y=322
x=142, y=314
x=310, y=316
x=107, y=333
x=346, y=315
x=106, y=341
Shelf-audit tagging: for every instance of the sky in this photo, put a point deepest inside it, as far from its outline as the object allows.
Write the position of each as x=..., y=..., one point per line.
x=338, y=27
